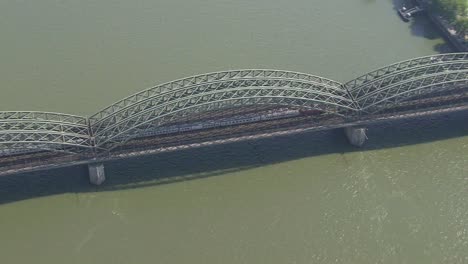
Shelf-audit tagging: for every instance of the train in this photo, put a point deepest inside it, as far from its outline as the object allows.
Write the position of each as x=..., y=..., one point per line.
x=218, y=123
x=286, y=113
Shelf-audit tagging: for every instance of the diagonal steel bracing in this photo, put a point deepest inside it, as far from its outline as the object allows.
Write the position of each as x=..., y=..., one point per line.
x=215, y=77
x=400, y=67
x=221, y=90
x=43, y=131
x=408, y=80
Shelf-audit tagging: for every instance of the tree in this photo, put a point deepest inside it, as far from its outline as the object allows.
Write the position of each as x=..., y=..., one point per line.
x=451, y=9
x=462, y=25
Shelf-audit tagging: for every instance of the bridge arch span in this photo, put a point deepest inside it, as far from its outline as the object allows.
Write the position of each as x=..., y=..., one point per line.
x=400, y=82
x=420, y=87
x=404, y=66
x=213, y=77
x=24, y=131
x=217, y=91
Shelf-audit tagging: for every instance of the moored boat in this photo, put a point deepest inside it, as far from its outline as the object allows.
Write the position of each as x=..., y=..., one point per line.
x=405, y=16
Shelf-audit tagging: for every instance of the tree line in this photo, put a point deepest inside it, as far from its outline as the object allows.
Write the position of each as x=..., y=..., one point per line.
x=455, y=11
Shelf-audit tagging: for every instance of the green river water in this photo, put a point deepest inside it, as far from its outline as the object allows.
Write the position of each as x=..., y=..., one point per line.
x=308, y=198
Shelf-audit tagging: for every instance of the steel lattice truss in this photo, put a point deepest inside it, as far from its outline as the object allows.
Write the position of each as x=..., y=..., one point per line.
x=385, y=87
x=400, y=67
x=164, y=103
x=401, y=83
x=43, y=131
x=211, y=78
x=418, y=87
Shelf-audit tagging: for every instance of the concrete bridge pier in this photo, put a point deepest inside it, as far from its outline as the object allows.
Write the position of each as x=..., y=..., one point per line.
x=97, y=174
x=356, y=135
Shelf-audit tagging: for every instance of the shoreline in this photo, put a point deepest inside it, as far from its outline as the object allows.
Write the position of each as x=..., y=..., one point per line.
x=440, y=24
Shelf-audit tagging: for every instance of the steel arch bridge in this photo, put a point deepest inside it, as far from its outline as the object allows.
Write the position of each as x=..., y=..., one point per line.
x=381, y=90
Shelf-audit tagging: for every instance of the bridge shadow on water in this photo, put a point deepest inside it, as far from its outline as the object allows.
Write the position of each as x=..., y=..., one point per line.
x=218, y=160
x=423, y=27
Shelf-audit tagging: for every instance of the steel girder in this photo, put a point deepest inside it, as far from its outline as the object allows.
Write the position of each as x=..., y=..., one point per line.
x=43, y=131
x=218, y=91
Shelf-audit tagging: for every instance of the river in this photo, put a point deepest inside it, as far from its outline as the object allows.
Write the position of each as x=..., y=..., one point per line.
x=308, y=198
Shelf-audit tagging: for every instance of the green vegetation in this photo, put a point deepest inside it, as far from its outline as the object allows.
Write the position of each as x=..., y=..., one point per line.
x=451, y=8
x=455, y=11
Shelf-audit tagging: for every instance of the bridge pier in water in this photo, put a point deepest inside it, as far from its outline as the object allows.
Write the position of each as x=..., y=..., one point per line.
x=356, y=135
x=97, y=174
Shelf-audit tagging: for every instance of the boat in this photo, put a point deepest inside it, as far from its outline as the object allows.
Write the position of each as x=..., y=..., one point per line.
x=405, y=16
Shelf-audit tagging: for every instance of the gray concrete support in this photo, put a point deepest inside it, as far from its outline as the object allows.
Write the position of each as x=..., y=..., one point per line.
x=97, y=174
x=356, y=135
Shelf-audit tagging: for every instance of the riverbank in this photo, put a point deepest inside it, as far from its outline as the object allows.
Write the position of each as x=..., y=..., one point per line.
x=447, y=30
